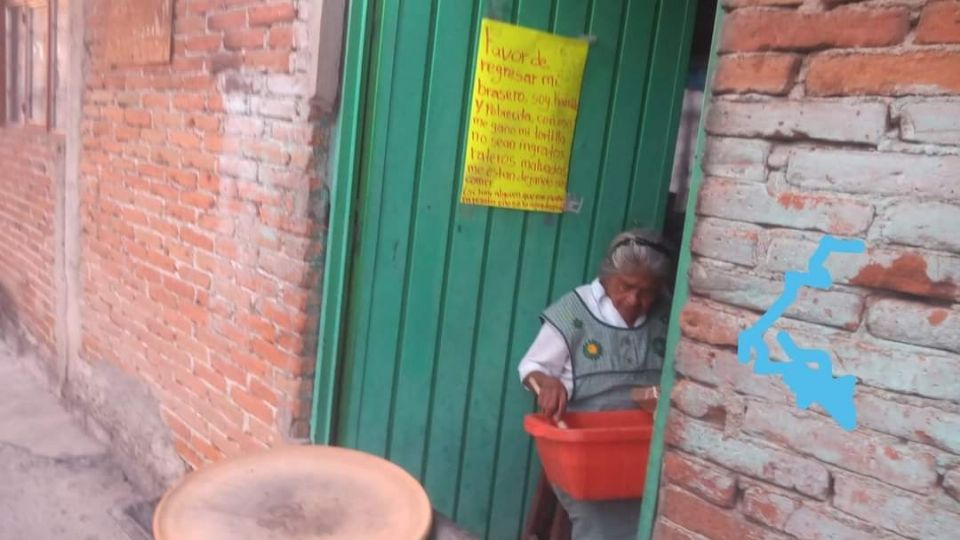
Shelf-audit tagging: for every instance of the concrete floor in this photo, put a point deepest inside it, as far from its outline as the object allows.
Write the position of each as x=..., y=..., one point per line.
x=56, y=482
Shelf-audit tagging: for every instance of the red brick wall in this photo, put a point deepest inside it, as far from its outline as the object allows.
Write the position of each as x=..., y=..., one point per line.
x=837, y=117
x=27, y=208
x=200, y=223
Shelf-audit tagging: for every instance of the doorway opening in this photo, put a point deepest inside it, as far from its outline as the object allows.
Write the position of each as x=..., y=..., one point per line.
x=429, y=304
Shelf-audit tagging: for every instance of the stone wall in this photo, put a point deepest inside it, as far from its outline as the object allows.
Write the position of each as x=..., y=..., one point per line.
x=201, y=223
x=842, y=118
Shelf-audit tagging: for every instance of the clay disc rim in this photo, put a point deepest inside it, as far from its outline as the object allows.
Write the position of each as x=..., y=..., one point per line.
x=414, y=501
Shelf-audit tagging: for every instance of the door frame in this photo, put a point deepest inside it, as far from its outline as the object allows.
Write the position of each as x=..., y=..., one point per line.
x=342, y=182
x=681, y=293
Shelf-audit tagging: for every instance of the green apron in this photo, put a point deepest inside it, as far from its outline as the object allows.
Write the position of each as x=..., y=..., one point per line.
x=608, y=362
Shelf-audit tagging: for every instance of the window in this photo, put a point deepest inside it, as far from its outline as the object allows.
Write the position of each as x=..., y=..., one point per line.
x=28, y=76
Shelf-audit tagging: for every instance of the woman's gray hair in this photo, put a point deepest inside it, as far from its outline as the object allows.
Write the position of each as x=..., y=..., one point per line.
x=638, y=251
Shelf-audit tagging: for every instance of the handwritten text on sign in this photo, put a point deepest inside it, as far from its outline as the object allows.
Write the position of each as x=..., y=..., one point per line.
x=525, y=98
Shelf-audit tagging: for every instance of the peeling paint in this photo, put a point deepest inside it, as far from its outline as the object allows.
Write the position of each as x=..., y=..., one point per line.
x=907, y=273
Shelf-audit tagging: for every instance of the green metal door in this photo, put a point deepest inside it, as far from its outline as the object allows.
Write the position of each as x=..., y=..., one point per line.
x=444, y=298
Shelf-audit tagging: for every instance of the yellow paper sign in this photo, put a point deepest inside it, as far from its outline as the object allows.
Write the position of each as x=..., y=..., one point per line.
x=526, y=93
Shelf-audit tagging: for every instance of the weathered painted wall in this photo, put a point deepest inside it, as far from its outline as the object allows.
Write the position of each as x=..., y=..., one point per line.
x=841, y=118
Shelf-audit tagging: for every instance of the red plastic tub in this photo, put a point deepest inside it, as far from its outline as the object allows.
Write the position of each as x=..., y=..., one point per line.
x=600, y=456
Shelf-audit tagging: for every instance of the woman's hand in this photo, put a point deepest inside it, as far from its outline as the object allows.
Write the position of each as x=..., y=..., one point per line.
x=646, y=397
x=552, y=395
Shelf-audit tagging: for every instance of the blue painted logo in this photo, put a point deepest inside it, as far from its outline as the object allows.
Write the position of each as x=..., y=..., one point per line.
x=809, y=373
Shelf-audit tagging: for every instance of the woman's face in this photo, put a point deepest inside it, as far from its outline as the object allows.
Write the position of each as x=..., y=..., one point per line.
x=633, y=294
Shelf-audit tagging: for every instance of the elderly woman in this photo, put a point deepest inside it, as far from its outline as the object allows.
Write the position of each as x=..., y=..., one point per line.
x=596, y=345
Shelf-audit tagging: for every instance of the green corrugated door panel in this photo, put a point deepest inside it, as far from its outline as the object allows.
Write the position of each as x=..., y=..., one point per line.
x=444, y=298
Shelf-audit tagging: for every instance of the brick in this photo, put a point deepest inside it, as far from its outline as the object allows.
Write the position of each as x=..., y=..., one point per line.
x=281, y=316
x=272, y=14
x=291, y=343
x=252, y=405
x=211, y=377
x=939, y=23
x=780, y=30
x=200, y=161
x=225, y=61
x=180, y=288
x=700, y=402
x=263, y=327
x=229, y=20
x=190, y=24
x=186, y=102
x=819, y=523
x=773, y=74
x=282, y=37
x=701, y=322
x=178, y=427
x=261, y=431
x=768, y=507
x=743, y=289
x=260, y=390
x=285, y=132
x=755, y=203
x=239, y=39
x=875, y=173
x=728, y=241
x=196, y=199
x=753, y=459
x=720, y=367
x=884, y=74
x=223, y=443
x=185, y=179
x=194, y=461
x=126, y=133
x=276, y=61
x=206, y=449
x=288, y=270
x=229, y=370
x=668, y=530
x=915, y=323
x=203, y=44
x=893, y=509
x=200, y=6
x=900, y=368
x=933, y=121
x=283, y=109
x=907, y=466
x=204, y=122
x=252, y=365
x=250, y=127
x=194, y=238
x=278, y=358
x=843, y=121
x=266, y=152
x=286, y=85
x=751, y=3
x=743, y=159
x=701, y=478
x=184, y=139
x=243, y=169
x=924, y=224
x=139, y=118
x=697, y=515
x=924, y=424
